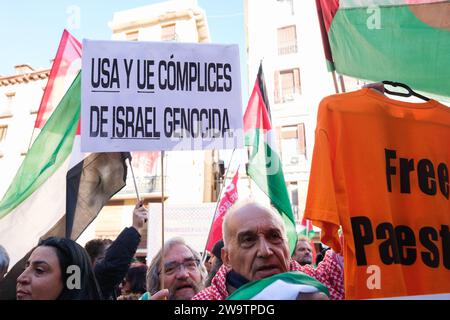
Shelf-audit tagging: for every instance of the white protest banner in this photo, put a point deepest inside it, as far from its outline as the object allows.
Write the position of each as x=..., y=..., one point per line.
x=140, y=96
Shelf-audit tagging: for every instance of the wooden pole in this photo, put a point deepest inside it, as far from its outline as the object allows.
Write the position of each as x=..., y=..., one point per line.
x=336, y=88
x=341, y=79
x=134, y=180
x=162, y=221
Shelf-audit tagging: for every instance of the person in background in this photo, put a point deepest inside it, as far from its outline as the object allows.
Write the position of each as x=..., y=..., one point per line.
x=184, y=275
x=134, y=284
x=207, y=263
x=321, y=254
x=96, y=248
x=4, y=262
x=216, y=261
x=58, y=269
x=111, y=268
x=303, y=252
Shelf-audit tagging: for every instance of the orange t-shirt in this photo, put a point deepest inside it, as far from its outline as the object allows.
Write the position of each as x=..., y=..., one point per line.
x=380, y=170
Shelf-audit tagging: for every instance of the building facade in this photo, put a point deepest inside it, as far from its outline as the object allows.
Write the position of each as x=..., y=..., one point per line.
x=189, y=176
x=20, y=96
x=284, y=36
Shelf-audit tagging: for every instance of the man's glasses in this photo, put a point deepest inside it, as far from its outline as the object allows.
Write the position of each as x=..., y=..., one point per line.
x=171, y=268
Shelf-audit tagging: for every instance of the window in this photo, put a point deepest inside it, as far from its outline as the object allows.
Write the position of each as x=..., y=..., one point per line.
x=287, y=85
x=287, y=40
x=168, y=32
x=301, y=139
x=10, y=97
x=5, y=112
x=293, y=146
x=293, y=193
x=132, y=35
x=35, y=107
x=286, y=6
x=3, y=131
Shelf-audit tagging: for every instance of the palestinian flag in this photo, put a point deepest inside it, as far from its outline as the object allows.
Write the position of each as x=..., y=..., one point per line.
x=57, y=190
x=282, y=286
x=65, y=67
x=306, y=229
x=400, y=40
x=264, y=165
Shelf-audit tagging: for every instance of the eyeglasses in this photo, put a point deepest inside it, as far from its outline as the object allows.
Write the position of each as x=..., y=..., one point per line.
x=189, y=264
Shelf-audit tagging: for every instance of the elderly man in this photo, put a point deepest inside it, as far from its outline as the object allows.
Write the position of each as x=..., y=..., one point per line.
x=255, y=247
x=184, y=275
x=303, y=252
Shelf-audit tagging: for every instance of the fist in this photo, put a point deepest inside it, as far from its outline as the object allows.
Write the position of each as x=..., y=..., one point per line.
x=140, y=215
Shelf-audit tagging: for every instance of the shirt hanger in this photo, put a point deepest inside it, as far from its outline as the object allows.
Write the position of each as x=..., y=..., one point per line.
x=410, y=93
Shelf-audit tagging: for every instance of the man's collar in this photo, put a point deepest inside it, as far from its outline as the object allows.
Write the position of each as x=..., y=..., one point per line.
x=234, y=281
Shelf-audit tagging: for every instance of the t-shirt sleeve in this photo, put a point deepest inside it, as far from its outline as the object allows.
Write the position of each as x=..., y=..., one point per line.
x=321, y=205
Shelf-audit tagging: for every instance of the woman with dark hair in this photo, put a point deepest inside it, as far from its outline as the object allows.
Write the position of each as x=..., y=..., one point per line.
x=134, y=284
x=58, y=269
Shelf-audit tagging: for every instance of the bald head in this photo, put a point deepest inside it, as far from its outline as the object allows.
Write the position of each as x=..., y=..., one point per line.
x=247, y=210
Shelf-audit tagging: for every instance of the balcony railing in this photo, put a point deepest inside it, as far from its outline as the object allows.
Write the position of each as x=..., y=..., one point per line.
x=287, y=48
x=145, y=184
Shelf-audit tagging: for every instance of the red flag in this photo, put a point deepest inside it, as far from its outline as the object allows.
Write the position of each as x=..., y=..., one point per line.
x=65, y=68
x=229, y=198
x=326, y=11
x=144, y=162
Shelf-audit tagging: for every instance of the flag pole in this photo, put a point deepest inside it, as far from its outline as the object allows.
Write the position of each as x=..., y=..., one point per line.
x=341, y=79
x=31, y=139
x=135, y=184
x=134, y=180
x=333, y=75
x=162, y=220
x=217, y=205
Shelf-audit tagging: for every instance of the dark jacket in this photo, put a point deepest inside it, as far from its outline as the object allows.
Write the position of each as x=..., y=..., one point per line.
x=112, y=269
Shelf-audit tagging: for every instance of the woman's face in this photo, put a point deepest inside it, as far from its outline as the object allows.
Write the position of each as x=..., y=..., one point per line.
x=41, y=279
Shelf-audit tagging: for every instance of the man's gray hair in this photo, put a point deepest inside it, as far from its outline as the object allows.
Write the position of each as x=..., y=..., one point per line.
x=153, y=281
x=4, y=260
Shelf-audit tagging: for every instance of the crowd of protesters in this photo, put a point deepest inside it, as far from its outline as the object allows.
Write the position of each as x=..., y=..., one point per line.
x=254, y=247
